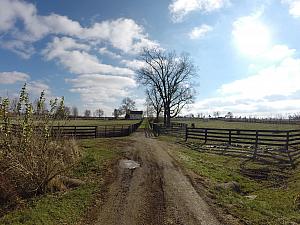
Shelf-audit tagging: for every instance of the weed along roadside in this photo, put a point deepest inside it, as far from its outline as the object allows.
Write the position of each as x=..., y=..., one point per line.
x=110, y=175
x=249, y=190
x=48, y=177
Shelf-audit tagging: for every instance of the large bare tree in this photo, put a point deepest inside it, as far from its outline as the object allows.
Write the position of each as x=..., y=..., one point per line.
x=74, y=111
x=170, y=76
x=127, y=105
x=99, y=113
x=155, y=101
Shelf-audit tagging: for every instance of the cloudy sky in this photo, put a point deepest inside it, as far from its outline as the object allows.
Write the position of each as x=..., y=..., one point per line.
x=246, y=52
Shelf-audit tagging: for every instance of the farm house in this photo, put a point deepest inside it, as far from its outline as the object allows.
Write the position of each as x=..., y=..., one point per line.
x=134, y=115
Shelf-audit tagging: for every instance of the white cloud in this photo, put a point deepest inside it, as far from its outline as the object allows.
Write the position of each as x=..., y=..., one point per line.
x=200, y=32
x=76, y=48
x=18, y=47
x=74, y=57
x=105, y=51
x=282, y=79
x=97, y=89
x=123, y=34
x=251, y=36
x=36, y=87
x=294, y=7
x=133, y=64
x=180, y=8
x=277, y=53
x=271, y=90
x=13, y=77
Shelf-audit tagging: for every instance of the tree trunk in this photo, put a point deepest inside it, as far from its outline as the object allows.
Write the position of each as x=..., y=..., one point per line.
x=168, y=117
x=157, y=115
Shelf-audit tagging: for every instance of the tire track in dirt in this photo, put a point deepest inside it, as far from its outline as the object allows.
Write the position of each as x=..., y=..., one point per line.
x=156, y=193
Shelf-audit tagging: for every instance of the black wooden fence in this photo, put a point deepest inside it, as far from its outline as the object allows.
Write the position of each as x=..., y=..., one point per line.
x=83, y=132
x=280, y=145
x=176, y=129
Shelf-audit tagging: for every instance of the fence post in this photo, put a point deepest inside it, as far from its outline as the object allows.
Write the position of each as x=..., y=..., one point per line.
x=256, y=145
x=114, y=129
x=229, y=137
x=205, y=136
x=95, y=131
x=287, y=148
x=186, y=133
x=75, y=131
x=122, y=134
x=105, y=131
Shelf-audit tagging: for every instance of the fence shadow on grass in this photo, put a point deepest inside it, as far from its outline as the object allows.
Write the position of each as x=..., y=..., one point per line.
x=278, y=148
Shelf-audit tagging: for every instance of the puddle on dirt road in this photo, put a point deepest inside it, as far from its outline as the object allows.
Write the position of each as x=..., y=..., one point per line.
x=128, y=164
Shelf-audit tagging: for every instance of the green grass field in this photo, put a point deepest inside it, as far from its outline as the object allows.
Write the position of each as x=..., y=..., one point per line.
x=276, y=199
x=95, y=122
x=236, y=125
x=69, y=207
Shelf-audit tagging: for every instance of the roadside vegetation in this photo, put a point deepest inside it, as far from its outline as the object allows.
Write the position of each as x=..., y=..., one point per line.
x=45, y=178
x=270, y=197
x=95, y=122
x=235, y=125
x=70, y=206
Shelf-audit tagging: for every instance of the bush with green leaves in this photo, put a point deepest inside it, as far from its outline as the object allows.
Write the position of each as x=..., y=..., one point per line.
x=31, y=154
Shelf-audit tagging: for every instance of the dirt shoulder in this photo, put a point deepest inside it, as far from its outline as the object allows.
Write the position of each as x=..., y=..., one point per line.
x=157, y=192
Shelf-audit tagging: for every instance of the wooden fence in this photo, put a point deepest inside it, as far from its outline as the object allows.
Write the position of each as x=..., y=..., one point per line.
x=176, y=129
x=282, y=146
x=83, y=132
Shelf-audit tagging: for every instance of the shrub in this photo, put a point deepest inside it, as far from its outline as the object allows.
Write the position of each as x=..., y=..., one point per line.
x=31, y=156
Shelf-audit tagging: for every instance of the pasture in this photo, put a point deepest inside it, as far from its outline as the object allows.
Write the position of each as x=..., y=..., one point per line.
x=94, y=122
x=268, y=192
x=271, y=197
x=200, y=123
x=69, y=207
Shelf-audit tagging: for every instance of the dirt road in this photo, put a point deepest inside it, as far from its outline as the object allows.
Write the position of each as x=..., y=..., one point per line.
x=155, y=193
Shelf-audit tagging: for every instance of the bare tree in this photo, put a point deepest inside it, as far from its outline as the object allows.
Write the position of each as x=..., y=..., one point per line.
x=154, y=99
x=116, y=113
x=74, y=111
x=229, y=115
x=67, y=110
x=216, y=114
x=127, y=105
x=170, y=75
x=150, y=111
x=13, y=105
x=87, y=113
x=99, y=113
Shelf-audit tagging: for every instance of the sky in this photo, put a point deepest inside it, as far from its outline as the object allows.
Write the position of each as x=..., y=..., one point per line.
x=246, y=52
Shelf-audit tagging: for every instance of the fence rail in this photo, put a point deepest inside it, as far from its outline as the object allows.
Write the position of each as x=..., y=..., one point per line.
x=281, y=145
x=83, y=132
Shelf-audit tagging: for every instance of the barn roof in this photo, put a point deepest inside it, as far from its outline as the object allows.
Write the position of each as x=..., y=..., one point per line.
x=133, y=112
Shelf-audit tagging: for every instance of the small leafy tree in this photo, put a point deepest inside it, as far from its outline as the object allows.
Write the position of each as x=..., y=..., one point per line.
x=32, y=154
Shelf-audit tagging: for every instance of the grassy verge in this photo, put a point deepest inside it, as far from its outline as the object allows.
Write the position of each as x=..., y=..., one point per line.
x=99, y=122
x=69, y=207
x=272, y=201
x=144, y=124
x=237, y=125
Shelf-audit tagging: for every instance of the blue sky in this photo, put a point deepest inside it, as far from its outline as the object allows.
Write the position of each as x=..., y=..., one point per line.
x=246, y=52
